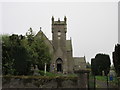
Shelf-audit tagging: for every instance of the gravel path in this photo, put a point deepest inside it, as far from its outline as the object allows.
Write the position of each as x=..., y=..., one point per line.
x=103, y=84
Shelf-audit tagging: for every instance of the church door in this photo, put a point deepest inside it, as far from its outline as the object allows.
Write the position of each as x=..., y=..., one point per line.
x=59, y=68
x=59, y=65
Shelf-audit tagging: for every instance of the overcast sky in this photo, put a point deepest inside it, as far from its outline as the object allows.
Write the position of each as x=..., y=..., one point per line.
x=93, y=26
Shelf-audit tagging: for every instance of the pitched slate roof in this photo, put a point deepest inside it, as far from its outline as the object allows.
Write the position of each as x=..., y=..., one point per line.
x=40, y=33
x=79, y=63
x=47, y=41
x=79, y=59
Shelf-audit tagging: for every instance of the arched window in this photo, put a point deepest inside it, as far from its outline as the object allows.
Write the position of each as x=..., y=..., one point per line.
x=59, y=60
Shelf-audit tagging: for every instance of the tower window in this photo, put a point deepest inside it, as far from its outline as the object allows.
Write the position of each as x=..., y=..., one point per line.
x=59, y=33
x=59, y=37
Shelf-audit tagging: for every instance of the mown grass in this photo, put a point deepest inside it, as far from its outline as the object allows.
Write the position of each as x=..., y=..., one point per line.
x=114, y=82
x=104, y=78
x=101, y=78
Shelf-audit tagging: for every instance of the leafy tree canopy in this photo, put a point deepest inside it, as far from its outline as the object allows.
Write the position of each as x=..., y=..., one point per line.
x=20, y=52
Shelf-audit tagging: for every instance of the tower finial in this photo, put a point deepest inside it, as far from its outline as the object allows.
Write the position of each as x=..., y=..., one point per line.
x=52, y=20
x=65, y=19
x=84, y=56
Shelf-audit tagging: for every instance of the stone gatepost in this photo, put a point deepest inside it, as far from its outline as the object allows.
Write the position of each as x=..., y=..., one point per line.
x=83, y=78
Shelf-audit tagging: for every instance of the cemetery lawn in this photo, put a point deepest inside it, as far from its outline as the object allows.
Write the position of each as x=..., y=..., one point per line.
x=101, y=78
x=101, y=82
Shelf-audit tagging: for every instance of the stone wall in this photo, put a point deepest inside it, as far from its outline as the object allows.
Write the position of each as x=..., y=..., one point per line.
x=44, y=82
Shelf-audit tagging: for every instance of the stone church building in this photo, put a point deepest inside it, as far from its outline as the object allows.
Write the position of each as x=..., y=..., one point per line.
x=61, y=49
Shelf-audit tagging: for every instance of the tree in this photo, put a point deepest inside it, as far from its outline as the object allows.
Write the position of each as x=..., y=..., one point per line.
x=94, y=66
x=38, y=50
x=116, y=59
x=7, y=61
x=100, y=63
x=21, y=57
x=20, y=52
x=15, y=56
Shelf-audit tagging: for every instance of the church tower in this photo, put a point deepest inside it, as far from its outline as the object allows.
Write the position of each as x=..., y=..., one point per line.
x=59, y=33
x=59, y=30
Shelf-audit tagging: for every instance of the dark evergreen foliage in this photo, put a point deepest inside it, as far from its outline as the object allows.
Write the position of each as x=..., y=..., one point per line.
x=116, y=59
x=100, y=63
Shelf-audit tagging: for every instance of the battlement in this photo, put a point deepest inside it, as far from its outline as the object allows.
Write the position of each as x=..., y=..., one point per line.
x=59, y=22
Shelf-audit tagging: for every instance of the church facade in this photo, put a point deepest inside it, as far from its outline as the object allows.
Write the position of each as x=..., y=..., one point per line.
x=61, y=49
